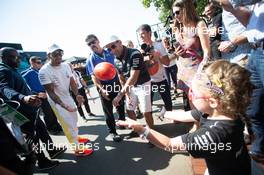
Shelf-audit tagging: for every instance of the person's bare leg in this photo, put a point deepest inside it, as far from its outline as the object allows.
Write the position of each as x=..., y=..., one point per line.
x=149, y=119
x=132, y=115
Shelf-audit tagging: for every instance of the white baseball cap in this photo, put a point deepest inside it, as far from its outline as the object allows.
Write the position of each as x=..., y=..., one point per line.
x=111, y=39
x=53, y=48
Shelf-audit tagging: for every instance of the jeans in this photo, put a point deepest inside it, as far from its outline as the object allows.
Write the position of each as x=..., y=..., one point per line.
x=256, y=109
x=164, y=91
x=112, y=90
x=171, y=72
x=86, y=104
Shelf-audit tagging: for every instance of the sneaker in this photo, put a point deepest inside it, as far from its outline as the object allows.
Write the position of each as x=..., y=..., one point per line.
x=91, y=114
x=139, y=114
x=132, y=134
x=85, y=119
x=83, y=140
x=56, y=152
x=162, y=113
x=115, y=137
x=84, y=152
x=47, y=164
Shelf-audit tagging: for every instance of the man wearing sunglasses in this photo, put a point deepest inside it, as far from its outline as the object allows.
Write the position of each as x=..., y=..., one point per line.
x=134, y=78
x=107, y=90
x=31, y=77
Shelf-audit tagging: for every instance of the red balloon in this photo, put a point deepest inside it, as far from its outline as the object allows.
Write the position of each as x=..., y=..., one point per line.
x=105, y=71
x=153, y=67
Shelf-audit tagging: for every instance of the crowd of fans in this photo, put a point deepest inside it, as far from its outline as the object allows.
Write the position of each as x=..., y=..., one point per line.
x=214, y=60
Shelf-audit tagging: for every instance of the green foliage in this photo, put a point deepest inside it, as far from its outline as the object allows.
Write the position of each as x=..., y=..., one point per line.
x=164, y=7
x=200, y=6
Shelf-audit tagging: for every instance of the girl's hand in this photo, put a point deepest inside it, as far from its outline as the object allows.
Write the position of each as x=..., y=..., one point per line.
x=136, y=126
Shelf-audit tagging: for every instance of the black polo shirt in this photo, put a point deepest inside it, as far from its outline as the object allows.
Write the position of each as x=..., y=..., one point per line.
x=132, y=59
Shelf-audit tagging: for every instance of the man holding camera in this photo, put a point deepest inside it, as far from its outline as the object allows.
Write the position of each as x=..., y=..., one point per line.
x=156, y=59
x=134, y=78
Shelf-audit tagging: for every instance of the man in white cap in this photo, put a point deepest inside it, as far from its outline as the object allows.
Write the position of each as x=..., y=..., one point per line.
x=57, y=79
x=108, y=89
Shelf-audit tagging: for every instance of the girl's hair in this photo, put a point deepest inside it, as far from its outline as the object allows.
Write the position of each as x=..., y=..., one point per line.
x=234, y=83
x=189, y=14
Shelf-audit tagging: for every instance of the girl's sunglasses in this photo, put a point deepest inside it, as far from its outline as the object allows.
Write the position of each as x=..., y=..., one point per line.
x=176, y=13
x=193, y=96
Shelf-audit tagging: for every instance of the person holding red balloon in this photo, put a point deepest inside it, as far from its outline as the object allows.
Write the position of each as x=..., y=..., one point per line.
x=100, y=66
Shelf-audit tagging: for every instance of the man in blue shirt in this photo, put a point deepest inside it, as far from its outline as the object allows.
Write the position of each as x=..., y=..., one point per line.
x=107, y=90
x=31, y=77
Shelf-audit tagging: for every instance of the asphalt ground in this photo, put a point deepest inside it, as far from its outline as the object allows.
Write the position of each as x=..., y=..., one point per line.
x=129, y=157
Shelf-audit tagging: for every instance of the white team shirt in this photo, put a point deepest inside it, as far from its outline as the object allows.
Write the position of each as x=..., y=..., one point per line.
x=60, y=77
x=160, y=75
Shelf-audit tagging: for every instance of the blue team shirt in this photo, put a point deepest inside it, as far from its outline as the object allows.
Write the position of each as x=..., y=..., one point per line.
x=31, y=77
x=95, y=59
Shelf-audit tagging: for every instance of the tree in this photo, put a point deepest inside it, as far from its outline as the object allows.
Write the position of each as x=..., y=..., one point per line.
x=164, y=7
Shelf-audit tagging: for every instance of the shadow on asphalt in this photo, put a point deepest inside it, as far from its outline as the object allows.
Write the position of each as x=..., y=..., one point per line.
x=127, y=157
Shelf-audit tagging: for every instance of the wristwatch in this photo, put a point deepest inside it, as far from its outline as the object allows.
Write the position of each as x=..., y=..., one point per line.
x=233, y=46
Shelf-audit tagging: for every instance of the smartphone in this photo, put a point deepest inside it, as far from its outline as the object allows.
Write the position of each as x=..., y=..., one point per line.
x=176, y=44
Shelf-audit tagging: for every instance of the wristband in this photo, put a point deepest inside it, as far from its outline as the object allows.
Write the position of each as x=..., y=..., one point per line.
x=145, y=134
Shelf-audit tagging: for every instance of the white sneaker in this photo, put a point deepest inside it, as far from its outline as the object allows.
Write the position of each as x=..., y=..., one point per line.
x=162, y=113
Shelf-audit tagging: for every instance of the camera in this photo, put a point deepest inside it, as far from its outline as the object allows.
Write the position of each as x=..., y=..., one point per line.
x=147, y=49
